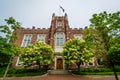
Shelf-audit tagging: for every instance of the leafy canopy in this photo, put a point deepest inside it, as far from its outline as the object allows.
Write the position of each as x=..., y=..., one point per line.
x=76, y=50
x=107, y=26
x=108, y=30
x=7, y=43
x=39, y=53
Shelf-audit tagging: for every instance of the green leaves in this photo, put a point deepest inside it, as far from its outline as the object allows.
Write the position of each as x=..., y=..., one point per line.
x=114, y=53
x=106, y=23
x=11, y=20
x=107, y=26
x=40, y=53
x=76, y=50
x=7, y=44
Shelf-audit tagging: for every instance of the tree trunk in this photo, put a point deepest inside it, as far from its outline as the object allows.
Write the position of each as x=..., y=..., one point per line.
x=46, y=67
x=39, y=65
x=78, y=64
x=7, y=68
x=67, y=66
x=114, y=70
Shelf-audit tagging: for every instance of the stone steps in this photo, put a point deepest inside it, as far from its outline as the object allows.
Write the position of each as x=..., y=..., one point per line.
x=58, y=72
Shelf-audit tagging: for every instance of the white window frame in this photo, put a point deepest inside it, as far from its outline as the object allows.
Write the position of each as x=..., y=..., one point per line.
x=26, y=44
x=38, y=38
x=18, y=60
x=79, y=36
x=59, y=39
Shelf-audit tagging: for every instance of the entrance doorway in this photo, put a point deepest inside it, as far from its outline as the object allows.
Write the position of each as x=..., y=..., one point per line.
x=59, y=63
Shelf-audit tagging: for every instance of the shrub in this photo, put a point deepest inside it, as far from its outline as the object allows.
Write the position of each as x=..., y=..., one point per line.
x=117, y=68
x=21, y=72
x=92, y=70
x=2, y=70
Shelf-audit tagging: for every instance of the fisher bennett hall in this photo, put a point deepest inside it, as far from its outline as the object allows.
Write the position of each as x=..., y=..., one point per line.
x=56, y=35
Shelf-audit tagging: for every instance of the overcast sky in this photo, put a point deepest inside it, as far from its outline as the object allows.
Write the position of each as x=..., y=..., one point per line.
x=39, y=12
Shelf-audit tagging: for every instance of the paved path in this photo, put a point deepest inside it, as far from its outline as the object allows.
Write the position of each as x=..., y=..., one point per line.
x=64, y=77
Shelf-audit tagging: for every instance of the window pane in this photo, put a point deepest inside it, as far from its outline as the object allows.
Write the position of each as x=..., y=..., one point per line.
x=59, y=40
x=26, y=40
x=41, y=37
x=79, y=36
x=59, y=24
x=19, y=61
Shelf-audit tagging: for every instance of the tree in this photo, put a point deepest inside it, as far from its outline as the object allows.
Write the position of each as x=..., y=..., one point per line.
x=94, y=42
x=9, y=40
x=77, y=51
x=37, y=54
x=8, y=46
x=107, y=27
x=114, y=54
x=4, y=56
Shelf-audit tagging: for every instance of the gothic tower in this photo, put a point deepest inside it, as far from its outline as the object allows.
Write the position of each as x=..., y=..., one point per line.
x=59, y=34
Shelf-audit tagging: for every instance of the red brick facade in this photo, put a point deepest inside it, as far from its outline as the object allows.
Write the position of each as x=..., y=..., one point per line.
x=59, y=24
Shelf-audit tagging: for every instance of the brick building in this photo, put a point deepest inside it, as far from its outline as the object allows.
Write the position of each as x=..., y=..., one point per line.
x=58, y=33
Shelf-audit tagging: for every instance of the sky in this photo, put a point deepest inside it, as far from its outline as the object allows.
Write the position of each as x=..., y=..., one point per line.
x=38, y=13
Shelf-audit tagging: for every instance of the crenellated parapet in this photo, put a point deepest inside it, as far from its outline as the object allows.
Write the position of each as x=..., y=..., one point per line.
x=77, y=29
x=33, y=30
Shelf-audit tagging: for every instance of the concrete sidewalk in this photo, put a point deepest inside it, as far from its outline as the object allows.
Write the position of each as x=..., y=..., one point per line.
x=63, y=77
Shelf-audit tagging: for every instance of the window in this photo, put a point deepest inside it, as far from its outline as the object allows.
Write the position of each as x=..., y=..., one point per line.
x=26, y=40
x=19, y=61
x=82, y=63
x=100, y=61
x=79, y=36
x=90, y=64
x=59, y=24
x=59, y=39
x=41, y=37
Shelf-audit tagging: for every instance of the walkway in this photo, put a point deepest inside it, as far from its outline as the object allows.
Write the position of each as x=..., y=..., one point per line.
x=64, y=77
